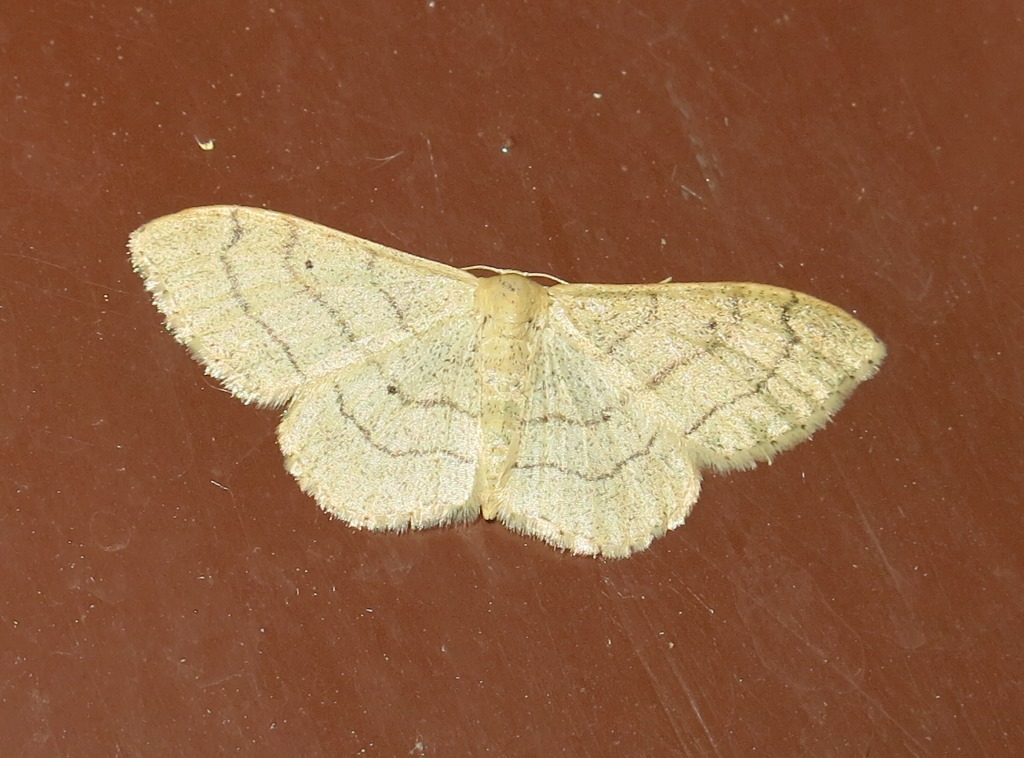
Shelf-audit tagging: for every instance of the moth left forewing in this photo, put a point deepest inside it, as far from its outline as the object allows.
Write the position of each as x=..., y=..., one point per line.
x=741, y=371
x=268, y=301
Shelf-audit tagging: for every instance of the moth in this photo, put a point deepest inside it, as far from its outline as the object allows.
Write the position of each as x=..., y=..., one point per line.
x=419, y=394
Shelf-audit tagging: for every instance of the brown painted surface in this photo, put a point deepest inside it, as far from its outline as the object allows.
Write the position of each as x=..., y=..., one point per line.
x=166, y=587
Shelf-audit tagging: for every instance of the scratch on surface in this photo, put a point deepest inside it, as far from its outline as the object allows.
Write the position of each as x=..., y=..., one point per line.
x=690, y=193
x=70, y=272
x=706, y=159
x=433, y=169
x=930, y=145
x=387, y=158
x=667, y=702
x=760, y=603
x=700, y=600
x=899, y=582
x=696, y=709
x=220, y=680
x=827, y=660
x=668, y=707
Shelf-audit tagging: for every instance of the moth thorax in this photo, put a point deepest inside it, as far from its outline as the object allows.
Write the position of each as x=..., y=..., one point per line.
x=511, y=301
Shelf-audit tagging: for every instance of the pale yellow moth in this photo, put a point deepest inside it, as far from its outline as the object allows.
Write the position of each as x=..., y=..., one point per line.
x=419, y=394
